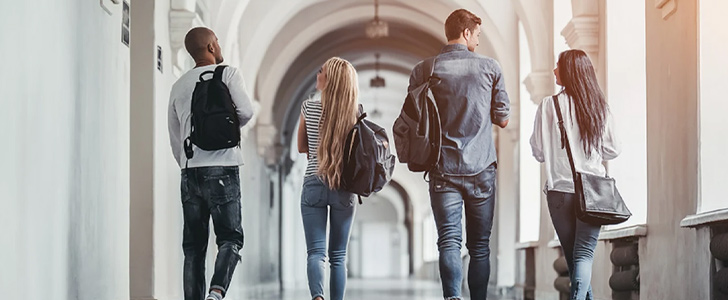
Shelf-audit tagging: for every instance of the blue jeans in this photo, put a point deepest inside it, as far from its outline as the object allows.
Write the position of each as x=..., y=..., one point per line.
x=316, y=201
x=448, y=194
x=210, y=192
x=578, y=241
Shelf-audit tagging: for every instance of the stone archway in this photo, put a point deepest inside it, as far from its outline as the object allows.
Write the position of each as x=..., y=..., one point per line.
x=535, y=19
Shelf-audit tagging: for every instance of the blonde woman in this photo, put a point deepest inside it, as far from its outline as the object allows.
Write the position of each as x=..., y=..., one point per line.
x=322, y=132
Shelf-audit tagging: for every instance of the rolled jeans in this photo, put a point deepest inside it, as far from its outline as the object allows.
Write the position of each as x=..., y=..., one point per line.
x=316, y=202
x=578, y=241
x=448, y=194
x=210, y=192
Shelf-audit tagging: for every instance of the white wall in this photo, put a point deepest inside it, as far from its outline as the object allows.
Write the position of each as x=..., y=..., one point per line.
x=65, y=180
x=626, y=92
x=713, y=40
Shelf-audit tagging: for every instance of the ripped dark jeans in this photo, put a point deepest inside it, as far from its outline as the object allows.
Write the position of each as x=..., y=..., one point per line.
x=210, y=192
x=578, y=241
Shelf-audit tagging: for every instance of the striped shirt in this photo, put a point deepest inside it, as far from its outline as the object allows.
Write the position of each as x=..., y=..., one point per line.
x=311, y=110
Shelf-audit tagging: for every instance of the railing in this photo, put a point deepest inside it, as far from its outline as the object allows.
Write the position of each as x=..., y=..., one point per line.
x=716, y=222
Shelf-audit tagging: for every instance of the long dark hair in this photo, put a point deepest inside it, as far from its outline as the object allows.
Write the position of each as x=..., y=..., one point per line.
x=580, y=84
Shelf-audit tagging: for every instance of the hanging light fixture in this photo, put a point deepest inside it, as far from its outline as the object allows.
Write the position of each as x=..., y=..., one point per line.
x=377, y=82
x=377, y=28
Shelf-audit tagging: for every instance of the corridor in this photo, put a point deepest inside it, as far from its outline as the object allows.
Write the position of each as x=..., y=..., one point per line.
x=91, y=192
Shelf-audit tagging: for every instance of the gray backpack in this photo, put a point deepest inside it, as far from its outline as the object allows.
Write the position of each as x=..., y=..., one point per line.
x=418, y=130
x=368, y=163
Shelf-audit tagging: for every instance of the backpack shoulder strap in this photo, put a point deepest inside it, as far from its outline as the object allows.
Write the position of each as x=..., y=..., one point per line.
x=361, y=117
x=361, y=109
x=428, y=66
x=218, y=72
x=205, y=73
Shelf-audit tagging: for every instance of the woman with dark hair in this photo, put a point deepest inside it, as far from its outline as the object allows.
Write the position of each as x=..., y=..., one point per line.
x=590, y=128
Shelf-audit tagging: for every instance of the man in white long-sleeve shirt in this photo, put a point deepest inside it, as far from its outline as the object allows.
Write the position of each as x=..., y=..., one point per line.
x=210, y=179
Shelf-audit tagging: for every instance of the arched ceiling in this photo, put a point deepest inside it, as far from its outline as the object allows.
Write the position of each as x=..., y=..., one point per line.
x=276, y=40
x=284, y=30
x=270, y=27
x=404, y=47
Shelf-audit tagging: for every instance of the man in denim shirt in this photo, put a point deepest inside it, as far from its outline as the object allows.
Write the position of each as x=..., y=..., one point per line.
x=471, y=97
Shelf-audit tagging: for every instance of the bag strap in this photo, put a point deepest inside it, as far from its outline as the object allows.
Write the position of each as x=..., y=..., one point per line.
x=205, y=73
x=218, y=72
x=353, y=133
x=564, y=137
x=361, y=117
x=429, y=64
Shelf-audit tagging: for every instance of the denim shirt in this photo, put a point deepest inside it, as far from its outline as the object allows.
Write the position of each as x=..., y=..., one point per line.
x=471, y=96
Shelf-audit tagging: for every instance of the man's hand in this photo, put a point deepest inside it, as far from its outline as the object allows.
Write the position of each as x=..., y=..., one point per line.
x=502, y=124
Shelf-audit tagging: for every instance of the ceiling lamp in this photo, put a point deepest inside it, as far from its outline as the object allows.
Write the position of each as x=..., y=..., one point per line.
x=377, y=82
x=377, y=28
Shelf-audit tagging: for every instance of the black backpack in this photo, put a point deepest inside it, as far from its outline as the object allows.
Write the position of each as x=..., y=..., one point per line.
x=417, y=130
x=368, y=163
x=215, y=123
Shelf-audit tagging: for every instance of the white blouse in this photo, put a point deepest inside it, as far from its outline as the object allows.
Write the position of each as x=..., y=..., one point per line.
x=546, y=145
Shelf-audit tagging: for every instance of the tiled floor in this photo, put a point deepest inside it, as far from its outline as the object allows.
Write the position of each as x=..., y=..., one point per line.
x=396, y=289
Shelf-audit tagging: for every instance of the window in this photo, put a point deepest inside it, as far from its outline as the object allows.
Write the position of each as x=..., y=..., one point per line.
x=530, y=184
x=626, y=92
x=713, y=40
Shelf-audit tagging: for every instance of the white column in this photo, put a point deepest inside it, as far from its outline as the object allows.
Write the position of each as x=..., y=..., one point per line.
x=182, y=17
x=267, y=139
x=141, y=171
x=561, y=17
x=539, y=84
x=507, y=197
x=582, y=31
x=667, y=7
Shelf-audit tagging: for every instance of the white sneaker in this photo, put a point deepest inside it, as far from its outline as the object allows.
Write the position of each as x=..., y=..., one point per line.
x=214, y=296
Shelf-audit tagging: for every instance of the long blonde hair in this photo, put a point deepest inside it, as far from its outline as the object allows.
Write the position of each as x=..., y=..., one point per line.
x=340, y=102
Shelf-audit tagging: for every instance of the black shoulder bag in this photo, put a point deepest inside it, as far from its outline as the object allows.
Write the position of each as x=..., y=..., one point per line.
x=598, y=200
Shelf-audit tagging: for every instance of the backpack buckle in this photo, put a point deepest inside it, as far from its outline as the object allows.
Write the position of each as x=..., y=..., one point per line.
x=187, y=145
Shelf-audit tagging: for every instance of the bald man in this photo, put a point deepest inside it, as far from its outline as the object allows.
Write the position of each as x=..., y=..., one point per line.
x=210, y=179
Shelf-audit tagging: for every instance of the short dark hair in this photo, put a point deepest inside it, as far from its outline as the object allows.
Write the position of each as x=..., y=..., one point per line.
x=458, y=21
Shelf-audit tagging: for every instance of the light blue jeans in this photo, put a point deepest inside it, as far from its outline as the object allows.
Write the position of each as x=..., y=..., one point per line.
x=578, y=241
x=316, y=201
